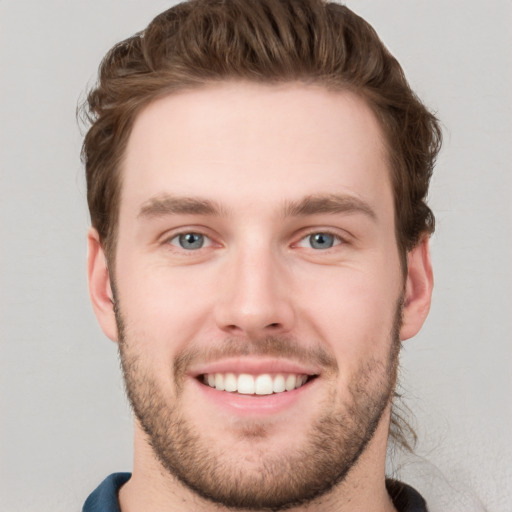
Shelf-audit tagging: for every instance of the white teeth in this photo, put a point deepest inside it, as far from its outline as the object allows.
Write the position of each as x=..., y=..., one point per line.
x=219, y=381
x=301, y=379
x=263, y=385
x=246, y=384
x=230, y=383
x=291, y=380
x=278, y=386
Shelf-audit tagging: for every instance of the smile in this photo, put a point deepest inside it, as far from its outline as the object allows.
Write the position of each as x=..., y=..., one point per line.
x=247, y=384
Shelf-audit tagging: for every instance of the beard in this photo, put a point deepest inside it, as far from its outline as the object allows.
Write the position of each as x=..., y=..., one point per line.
x=263, y=479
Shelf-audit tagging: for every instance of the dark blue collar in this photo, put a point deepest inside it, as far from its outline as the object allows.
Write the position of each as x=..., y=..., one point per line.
x=104, y=497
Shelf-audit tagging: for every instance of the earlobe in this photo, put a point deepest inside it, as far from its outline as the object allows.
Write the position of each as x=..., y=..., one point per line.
x=100, y=289
x=418, y=289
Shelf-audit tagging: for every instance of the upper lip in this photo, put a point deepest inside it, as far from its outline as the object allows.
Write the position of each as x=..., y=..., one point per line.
x=253, y=366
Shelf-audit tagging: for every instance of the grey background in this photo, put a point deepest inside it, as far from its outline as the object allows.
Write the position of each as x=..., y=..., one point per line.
x=64, y=422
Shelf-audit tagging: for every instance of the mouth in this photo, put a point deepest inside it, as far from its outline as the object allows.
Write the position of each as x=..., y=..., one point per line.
x=258, y=385
x=255, y=387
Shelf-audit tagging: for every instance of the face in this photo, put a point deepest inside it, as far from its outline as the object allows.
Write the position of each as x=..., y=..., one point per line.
x=258, y=288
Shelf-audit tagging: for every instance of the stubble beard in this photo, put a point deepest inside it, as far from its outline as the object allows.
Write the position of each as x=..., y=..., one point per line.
x=271, y=481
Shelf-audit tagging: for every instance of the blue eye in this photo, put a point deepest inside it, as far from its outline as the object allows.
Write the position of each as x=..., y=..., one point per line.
x=189, y=241
x=322, y=240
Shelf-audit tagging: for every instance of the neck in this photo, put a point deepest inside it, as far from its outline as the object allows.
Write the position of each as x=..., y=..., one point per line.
x=152, y=489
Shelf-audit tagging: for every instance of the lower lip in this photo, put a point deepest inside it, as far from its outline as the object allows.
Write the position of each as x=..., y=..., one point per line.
x=254, y=405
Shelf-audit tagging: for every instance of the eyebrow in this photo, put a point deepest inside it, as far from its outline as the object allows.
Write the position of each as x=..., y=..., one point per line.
x=330, y=204
x=175, y=205
x=310, y=205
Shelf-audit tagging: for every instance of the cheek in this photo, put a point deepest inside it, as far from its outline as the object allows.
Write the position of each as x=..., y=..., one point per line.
x=164, y=311
x=354, y=312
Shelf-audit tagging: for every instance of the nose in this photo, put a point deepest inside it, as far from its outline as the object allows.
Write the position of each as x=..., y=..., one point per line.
x=254, y=295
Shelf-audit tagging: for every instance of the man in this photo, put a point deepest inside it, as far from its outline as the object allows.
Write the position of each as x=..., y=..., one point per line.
x=257, y=174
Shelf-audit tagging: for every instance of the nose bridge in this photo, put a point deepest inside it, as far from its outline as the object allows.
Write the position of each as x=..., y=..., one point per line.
x=253, y=297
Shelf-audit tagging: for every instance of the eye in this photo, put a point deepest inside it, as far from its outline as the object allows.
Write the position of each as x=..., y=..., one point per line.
x=320, y=241
x=190, y=241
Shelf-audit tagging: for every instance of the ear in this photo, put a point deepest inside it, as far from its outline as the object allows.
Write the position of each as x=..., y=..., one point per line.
x=100, y=289
x=418, y=289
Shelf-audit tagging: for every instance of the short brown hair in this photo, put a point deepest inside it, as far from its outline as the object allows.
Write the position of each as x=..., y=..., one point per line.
x=203, y=41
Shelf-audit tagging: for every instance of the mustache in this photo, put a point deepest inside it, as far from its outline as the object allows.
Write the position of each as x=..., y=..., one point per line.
x=269, y=346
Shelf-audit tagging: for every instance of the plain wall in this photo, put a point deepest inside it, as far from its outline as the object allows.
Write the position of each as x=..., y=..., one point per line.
x=64, y=421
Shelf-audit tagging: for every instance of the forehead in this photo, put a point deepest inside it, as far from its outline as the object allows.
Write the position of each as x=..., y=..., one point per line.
x=241, y=142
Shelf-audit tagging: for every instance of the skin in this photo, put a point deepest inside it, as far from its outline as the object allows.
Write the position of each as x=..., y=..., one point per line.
x=254, y=152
